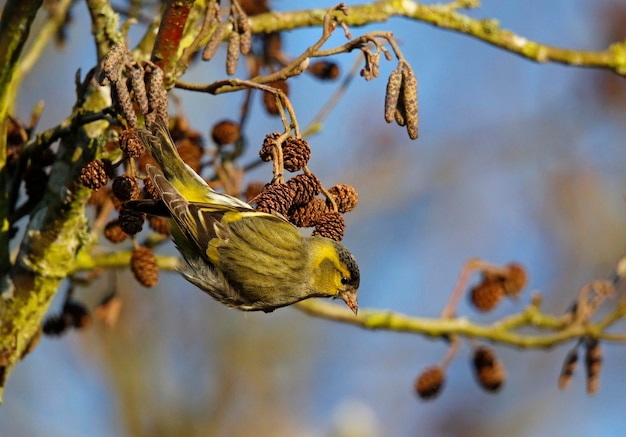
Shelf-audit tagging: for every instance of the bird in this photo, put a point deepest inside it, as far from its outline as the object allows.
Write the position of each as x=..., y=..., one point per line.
x=243, y=258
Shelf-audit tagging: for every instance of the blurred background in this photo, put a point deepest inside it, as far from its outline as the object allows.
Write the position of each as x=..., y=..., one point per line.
x=515, y=161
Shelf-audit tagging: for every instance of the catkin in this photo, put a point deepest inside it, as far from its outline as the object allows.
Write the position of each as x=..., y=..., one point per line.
x=392, y=94
x=214, y=42
x=410, y=101
x=232, y=54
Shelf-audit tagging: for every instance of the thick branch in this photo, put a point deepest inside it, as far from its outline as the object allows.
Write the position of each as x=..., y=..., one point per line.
x=167, y=45
x=58, y=226
x=17, y=18
x=15, y=23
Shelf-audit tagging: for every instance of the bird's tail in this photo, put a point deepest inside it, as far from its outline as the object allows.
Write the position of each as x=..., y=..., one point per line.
x=158, y=142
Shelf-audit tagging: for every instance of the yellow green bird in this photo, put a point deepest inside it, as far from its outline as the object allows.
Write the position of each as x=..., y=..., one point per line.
x=243, y=258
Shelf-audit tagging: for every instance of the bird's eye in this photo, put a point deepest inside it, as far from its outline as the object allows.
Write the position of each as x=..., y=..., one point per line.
x=344, y=280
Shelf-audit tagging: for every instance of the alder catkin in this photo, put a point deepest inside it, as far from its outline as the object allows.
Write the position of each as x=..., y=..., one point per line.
x=394, y=84
x=410, y=101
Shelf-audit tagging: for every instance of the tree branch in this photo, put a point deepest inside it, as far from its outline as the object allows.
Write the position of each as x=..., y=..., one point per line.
x=446, y=17
x=549, y=330
x=15, y=23
x=58, y=225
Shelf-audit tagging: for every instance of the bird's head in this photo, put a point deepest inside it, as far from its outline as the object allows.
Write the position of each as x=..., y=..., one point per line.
x=335, y=272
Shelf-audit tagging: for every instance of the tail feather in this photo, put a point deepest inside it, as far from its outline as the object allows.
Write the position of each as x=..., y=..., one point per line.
x=174, y=201
x=158, y=142
x=160, y=145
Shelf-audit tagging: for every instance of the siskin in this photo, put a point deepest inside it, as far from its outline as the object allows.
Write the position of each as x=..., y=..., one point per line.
x=243, y=258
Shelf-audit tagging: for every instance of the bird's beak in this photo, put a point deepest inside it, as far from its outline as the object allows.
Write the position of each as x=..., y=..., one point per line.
x=349, y=297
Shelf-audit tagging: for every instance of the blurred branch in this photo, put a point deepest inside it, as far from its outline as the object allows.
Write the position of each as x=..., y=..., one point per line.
x=57, y=12
x=316, y=124
x=119, y=259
